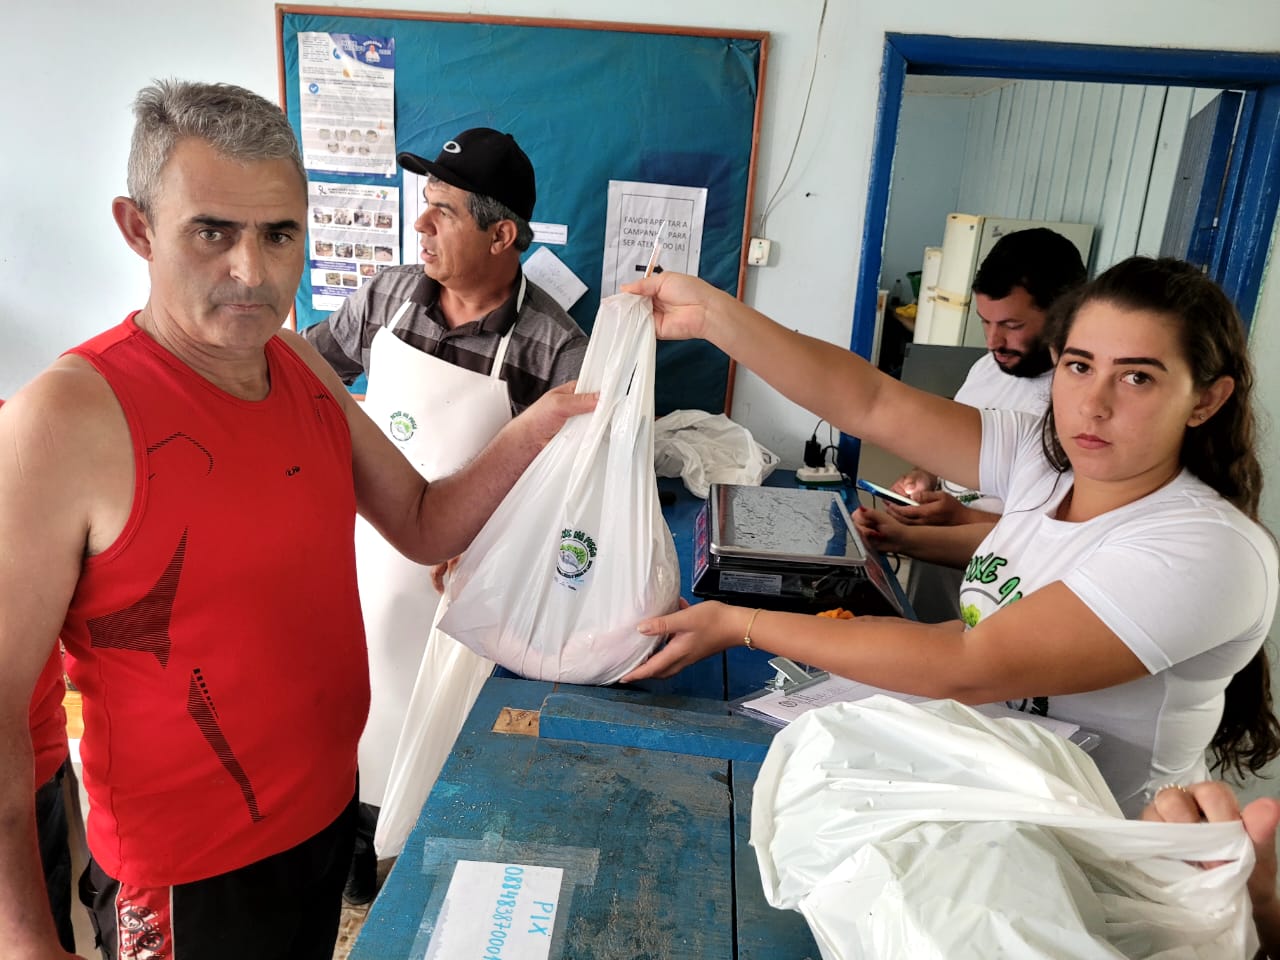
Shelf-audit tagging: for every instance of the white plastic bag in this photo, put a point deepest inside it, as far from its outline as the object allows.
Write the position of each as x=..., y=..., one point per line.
x=449, y=680
x=578, y=553
x=931, y=831
x=705, y=448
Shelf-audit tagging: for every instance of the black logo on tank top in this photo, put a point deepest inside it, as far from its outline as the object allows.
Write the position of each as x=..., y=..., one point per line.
x=201, y=709
x=182, y=436
x=143, y=626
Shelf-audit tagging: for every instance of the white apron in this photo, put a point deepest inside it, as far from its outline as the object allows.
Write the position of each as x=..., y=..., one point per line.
x=439, y=416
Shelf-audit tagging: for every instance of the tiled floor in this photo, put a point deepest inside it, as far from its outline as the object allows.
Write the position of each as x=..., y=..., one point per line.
x=353, y=917
x=349, y=929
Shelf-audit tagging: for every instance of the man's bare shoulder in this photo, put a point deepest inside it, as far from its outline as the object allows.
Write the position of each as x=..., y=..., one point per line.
x=71, y=462
x=62, y=409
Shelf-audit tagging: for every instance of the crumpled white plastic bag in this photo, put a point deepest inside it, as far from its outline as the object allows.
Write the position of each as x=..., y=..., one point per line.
x=705, y=448
x=931, y=831
x=578, y=553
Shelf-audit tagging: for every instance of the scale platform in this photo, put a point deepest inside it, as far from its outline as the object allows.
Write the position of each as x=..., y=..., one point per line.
x=786, y=549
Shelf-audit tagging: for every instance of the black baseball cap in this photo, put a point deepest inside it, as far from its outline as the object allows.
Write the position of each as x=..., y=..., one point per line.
x=484, y=161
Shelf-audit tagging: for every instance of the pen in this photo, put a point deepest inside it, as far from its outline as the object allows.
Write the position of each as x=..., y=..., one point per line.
x=657, y=245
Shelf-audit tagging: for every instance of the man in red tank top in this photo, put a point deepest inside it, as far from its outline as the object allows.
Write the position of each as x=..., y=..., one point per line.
x=180, y=506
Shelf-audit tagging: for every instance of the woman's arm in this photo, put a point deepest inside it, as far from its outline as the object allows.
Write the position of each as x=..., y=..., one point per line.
x=1048, y=643
x=942, y=436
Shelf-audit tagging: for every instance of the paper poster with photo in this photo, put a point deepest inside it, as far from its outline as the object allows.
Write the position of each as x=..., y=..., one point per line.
x=353, y=233
x=636, y=210
x=347, y=102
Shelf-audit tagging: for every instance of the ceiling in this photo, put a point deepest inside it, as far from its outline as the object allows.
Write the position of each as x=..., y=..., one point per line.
x=951, y=86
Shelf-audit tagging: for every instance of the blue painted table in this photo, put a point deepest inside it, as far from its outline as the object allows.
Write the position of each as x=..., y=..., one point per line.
x=642, y=799
x=642, y=796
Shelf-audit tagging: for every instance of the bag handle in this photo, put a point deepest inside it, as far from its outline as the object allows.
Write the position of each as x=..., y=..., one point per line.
x=620, y=354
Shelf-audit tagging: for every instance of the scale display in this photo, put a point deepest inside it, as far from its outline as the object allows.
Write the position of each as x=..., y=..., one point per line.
x=801, y=526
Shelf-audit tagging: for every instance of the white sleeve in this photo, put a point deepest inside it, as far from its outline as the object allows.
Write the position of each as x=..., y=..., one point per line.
x=1009, y=438
x=1179, y=587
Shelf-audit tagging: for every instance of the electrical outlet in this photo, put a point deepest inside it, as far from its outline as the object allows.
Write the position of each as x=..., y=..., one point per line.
x=758, y=252
x=818, y=475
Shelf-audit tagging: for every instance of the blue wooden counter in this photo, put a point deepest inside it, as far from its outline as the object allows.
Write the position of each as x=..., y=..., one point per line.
x=641, y=795
x=642, y=799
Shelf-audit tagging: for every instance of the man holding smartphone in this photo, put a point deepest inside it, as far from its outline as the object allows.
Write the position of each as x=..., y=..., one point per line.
x=1019, y=280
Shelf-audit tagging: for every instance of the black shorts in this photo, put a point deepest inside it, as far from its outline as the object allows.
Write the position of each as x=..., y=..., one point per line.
x=285, y=907
x=55, y=854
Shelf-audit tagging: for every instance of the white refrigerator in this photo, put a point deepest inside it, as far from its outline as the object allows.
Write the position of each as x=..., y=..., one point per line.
x=951, y=317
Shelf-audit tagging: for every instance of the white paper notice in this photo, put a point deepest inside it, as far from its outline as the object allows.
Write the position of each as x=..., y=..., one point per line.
x=500, y=911
x=414, y=203
x=781, y=708
x=550, y=273
x=557, y=233
x=347, y=102
x=635, y=212
x=354, y=236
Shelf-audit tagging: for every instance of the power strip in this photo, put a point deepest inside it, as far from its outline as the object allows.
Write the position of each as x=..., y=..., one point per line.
x=818, y=475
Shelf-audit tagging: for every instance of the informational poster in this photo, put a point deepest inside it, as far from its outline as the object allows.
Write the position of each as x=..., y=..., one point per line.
x=354, y=234
x=504, y=911
x=347, y=102
x=636, y=211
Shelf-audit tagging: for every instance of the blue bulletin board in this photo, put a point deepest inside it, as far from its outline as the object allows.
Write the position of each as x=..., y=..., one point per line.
x=589, y=103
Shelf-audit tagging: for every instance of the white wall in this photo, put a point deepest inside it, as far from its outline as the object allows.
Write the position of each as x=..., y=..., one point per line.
x=64, y=273
x=1093, y=153
x=926, y=181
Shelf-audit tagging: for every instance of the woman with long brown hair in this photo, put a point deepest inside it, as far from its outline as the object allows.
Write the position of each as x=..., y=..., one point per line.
x=1128, y=581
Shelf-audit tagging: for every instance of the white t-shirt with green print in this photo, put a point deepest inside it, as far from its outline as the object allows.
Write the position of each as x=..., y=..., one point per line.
x=1181, y=576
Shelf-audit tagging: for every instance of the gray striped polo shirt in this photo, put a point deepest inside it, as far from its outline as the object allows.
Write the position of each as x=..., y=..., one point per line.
x=546, y=345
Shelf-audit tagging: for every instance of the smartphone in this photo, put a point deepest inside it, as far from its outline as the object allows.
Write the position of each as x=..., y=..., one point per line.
x=884, y=493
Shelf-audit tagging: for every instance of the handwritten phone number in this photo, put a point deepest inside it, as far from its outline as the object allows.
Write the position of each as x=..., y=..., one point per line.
x=504, y=913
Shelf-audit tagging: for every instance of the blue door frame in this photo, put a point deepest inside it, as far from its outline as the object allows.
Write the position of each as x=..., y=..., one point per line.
x=1204, y=229
x=1252, y=190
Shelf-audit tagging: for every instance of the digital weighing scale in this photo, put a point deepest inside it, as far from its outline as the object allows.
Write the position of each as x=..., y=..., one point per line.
x=786, y=549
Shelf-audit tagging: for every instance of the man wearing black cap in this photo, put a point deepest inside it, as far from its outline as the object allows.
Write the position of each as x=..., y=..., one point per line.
x=452, y=349
x=470, y=290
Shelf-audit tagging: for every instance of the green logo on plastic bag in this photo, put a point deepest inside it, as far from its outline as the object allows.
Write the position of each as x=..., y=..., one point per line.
x=577, y=552
x=403, y=426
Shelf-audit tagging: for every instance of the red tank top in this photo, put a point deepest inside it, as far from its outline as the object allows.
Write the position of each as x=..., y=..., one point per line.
x=49, y=720
x=218, y=642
